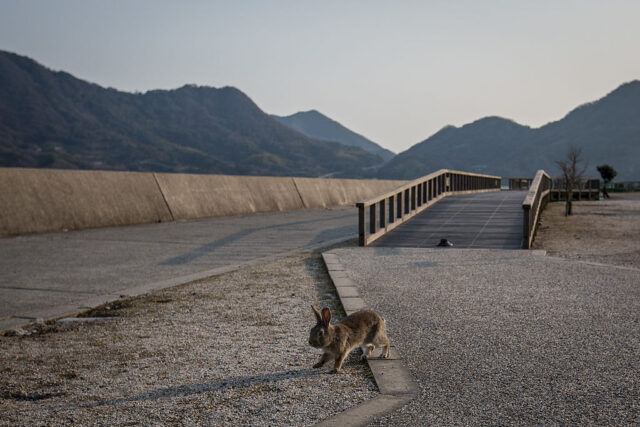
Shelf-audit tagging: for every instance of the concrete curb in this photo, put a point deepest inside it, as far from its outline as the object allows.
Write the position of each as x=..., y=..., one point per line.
x=397, y=386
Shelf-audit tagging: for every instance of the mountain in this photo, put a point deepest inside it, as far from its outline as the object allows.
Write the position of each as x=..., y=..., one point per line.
x=316, y=125
x=607, y=131
x=54, y=120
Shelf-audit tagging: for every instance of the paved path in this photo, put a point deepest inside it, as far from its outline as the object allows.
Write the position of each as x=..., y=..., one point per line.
x=48, y=275
x=485, y=220
x=497, y=337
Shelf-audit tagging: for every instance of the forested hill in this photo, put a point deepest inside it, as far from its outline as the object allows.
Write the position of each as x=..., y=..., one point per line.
x=54, y=120
x=607, y=131
x=316, y=125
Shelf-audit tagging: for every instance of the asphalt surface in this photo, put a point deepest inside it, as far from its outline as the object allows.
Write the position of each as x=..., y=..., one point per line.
x=49, y=275
x=506, y=337
x=484, y=220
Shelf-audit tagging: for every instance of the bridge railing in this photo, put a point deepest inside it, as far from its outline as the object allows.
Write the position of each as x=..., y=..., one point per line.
x=533, y=204
x=383, y=213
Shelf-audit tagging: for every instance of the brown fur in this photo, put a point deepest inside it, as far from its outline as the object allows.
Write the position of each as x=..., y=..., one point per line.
x=364, y=328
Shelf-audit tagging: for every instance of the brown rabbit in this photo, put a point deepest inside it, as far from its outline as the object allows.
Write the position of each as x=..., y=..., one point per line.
x=364, y=328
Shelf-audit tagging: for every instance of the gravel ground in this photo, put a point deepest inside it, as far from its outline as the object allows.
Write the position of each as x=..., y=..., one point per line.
x=229, y=350
x=514, y=337
x=507, y=337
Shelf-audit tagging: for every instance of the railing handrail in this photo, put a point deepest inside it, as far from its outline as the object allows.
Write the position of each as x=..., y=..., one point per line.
x=410, y=184
x=533, y=204
x=535, y=187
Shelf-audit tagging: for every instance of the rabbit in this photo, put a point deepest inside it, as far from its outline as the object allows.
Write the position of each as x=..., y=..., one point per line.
x=365, y=329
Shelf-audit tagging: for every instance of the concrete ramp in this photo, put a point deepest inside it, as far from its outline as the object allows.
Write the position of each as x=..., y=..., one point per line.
x=41, y=200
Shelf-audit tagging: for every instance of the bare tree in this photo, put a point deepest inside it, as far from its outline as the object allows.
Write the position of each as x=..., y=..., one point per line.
x=572, y=173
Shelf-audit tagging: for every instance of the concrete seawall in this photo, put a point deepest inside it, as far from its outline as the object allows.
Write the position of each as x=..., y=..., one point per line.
x=41, y=200
x=202, y=196
x=46, y=200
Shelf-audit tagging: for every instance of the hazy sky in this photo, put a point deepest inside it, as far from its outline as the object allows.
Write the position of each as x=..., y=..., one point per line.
x=395, y=72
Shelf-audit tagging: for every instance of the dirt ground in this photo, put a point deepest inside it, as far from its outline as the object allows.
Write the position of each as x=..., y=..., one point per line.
x=605, y=231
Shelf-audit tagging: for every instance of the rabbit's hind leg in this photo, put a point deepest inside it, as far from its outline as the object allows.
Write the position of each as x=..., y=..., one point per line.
x=367, y=350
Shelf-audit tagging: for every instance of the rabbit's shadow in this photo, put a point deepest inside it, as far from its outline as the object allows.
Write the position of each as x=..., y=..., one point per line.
x=194, y=389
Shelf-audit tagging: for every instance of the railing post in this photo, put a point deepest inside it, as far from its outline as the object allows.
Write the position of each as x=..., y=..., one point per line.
x=391, y=208
x=372, y=219
x=406, y=201
x=399, y=205
x=362, y=229
x=383, y=211
x=413, y=198
x=526, y=227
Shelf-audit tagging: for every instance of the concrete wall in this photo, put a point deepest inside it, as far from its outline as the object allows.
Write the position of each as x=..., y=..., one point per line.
x=42, y=200
x=322, y=193
x=202, y=196
x=39, y=200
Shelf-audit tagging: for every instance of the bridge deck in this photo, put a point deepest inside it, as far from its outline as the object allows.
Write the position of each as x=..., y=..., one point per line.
x=486, y=220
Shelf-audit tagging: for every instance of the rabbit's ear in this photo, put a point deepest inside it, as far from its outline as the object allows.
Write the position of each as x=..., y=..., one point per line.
x=326, y=316
x=317, y=313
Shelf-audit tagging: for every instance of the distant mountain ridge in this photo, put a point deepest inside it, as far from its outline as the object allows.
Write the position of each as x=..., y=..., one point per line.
x=54, y=120
x=607, y=131
x=316, y=125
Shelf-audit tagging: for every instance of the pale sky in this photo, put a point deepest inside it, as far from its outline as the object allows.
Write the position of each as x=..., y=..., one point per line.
x=395, y=72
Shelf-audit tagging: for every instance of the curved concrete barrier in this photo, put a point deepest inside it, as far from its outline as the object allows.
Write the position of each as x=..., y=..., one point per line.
x=202, y=196
x=322, y=193
x=41, y=200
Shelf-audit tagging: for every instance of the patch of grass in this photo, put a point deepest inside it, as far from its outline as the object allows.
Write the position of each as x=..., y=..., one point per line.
x=31, y=329
x=110, y=309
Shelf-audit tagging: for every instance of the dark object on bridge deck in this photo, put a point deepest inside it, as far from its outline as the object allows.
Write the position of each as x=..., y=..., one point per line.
x=445, y=243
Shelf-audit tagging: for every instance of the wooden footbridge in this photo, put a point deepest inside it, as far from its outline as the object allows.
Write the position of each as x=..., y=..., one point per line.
x=479, y=216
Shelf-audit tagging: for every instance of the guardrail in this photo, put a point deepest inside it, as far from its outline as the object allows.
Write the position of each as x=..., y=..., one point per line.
x=587, y=190
x=389, y=210
x=533, y=204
